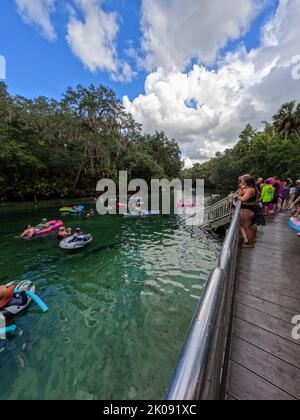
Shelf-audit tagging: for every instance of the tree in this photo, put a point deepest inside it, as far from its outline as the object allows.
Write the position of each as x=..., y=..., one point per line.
x=287, y=121
x=60, y=148
x=274, y=151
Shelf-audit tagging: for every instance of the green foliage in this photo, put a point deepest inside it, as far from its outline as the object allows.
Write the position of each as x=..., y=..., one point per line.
x=58, y=148
x=274, y=151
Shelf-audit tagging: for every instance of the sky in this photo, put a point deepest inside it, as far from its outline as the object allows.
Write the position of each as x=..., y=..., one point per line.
x=200, y=70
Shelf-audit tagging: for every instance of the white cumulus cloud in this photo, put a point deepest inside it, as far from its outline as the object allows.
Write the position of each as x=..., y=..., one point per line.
x=38, y=12
x=93, y=39
x=176, y=31
x=204, y=109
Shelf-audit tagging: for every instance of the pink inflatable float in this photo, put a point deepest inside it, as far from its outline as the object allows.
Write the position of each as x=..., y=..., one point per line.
x=187, y=204
x=53, y=226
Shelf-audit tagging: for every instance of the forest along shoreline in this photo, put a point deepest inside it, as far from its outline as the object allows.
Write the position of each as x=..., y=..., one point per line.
x=59, y=149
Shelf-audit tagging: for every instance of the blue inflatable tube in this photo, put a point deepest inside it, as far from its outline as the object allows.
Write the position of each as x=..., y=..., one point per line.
x=7, y=330
x=81, y=209
x=295, y=225
x=36, y=299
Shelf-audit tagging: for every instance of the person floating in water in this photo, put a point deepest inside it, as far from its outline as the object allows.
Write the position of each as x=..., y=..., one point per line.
x=78, y=235
x=139, y=208
x=43, y=225
x=29, y=232
x=64, y=233
x=9, y=298
x=90, y=213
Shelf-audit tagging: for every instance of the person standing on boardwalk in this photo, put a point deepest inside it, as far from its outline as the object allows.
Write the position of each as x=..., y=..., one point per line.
x=267, y=196
x=286, y=195
x=249, y=211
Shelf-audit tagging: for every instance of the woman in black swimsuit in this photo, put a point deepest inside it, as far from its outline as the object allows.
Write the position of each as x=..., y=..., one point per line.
x=249, y=211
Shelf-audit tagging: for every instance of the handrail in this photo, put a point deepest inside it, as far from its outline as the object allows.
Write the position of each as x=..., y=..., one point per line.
x=217, y=204
x=201, y=371
x=217, y=211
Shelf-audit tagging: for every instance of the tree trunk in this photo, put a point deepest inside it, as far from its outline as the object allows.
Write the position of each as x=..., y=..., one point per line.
x=80, y=170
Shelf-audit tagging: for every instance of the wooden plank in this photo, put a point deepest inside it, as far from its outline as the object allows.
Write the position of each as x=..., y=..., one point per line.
x=265, y=360
x=271, y=242
x=281, y=256
x=245, y=385
x=251, y=258
x=270, y=295
x=268, y=244
x=271, y=284
x=280, y=276
x=258, y=264
x=272, y=369
x=230, y=397
x=269, y=342
x=288, y=289
x=274, y=325
x=264, y=306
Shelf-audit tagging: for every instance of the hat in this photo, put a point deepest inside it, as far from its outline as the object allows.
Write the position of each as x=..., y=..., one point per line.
x=62, y=228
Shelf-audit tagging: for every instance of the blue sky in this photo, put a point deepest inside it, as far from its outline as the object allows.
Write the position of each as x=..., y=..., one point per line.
x=37, y=66
x=200, y=70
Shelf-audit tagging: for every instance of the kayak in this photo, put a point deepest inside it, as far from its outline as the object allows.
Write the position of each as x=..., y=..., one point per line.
x=187, y=204
x=143, y=214
x=74, y=242
x=11, y=311
x=71, y=210
x=294, y=224
x=54, y=225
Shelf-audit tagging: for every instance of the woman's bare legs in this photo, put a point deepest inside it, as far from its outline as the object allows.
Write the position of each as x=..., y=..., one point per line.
x=243, y=229
x=247, y=227
x=254, y=229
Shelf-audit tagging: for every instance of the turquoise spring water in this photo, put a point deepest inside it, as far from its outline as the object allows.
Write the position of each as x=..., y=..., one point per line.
x=119, y=310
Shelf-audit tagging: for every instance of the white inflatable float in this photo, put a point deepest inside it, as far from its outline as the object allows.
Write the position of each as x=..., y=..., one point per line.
x=76, y=242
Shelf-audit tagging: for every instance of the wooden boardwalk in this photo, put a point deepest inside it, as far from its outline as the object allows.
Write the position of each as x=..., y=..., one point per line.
x=265, y=360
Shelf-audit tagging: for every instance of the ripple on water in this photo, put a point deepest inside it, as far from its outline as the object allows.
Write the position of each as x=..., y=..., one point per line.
x=118, y=315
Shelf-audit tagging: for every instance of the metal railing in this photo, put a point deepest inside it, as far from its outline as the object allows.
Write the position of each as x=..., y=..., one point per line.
x=217, y=211
x=201, y=373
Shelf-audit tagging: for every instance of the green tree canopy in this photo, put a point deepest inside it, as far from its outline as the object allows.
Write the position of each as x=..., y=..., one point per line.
x=60, y=148
x=274, y=151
